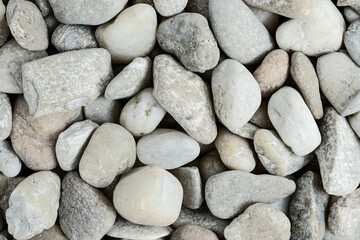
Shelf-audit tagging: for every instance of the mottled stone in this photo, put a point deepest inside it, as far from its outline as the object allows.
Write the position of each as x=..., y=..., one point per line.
x=102, y=110
x=10, y=164
x=199, y=6
x=352, y=41
x=7, y=186
x=5, y=116
x=351, y=15
x=168, y=8
x=54, y=233
x=210, y=165
x=261, y=116
x=269, y=19
x=44, y=7
x=193, y=232
x=4, y=28
x=354, y=121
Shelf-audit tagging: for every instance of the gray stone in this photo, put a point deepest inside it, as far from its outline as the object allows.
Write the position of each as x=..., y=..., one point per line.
x=7, y=186
x=352, y=3
x=4, y=28
x=261, y=117
x=44, y=7
x=10, y=164
x=103, y=110
x=351, y=15
x=168, y=8
x=199, y=6
x=54, y=233
x=352, y=41
x=51, y=23
x=150, y=2
x=269, y=19
x=193, y=232
x=5, y=116
x=354, y=121
x=210, y=165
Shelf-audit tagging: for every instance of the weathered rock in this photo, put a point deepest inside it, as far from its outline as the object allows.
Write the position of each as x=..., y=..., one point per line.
x=7, y=186
x=261, y=116
x=210, y=165
x=199, y=6
x=103, y=110
x=268, y=19
x=192, y=108
x=4, y=28
x=351, y=15
x=53, y=233
x=352, y=42
x=44, y=7
x=10, y=164
x=168, y=8
x=193, y=232
x=354, y=121
x=5, y=116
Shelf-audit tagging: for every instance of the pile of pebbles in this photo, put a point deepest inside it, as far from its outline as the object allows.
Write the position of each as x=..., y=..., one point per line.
x=180, y=119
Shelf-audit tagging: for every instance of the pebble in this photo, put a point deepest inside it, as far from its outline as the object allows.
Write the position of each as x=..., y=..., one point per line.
x=65, y=81
x=44, y=7
x=54, y=233
x=192, y=108
x=188, y=36
x=27, y=25
x=239, y=32
x=170, y=8
x=352, y=3
x=153, y=196
x=210, y=165
x=142, y=114
x=293, y=121
x=33, y=205
x=354, y=121
x=236, y=94
x=12, y=57
x=150, y=2
x=84, y=213
x=5, y=116
x=4, y=28
x=352, y=42
x=193, y=232
x=167, y=148
x=111, y=151
x=338, y=155
x=7, y=186
x=131, y=80
x=351, y=15
x=199, y=6
x=304, y=75
x=259, y=221
x=102, y=110
x=34, y=139
x=132, y=34
x=235, y=152
x=308, y=208
x=261, y=116
x=51, y=23
x=73, y=37
x=10, y=164
x=248, y=131
x=71, y=144
x=229, y=193
x=85, y=12
x=269, y=19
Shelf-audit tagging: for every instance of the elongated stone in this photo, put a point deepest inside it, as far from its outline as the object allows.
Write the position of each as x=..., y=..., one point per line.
x=210, y=165
x=4, y=28
x=351, y=40
x=193, y=232
x=10, y=164
x=5, y=116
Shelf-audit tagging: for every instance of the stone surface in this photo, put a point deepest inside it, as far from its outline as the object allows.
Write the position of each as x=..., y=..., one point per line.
x=167, y=148
x=51, y=23
x=150, y=2
x=352, y=3
x=338, y=155
x=210, y=165
x=261, y=116
x=308, y=208
x=168, y=8
x=248, y=131
x=192, y=108
x=293, y=121
x=5, y=116
x=132, y=34
x=84, y=213
x=269, y=19
x=65, y=81
x=352, y=42
x=33, y=205
x=351, y=15
x=7, y=186
x=10, y=164
x=354, y=121
x=259, y=221
x=102, y=110
x=193, y=232
x=199, y=6
x=4, y=28
x=188, y=36
x=54, y=233
x=44, y=7
x=229, y=193
x=238, y=31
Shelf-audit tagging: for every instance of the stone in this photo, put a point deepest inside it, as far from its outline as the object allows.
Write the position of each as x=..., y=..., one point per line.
x=273, y=72
x=261, y=117
x=238, y=31
x=259, y=221
x=235, y=152
x=269, y=19
x=12, y=57
x=199, y=6
x=318, y=32
x=351, y=15
x=5, y=116
x=86, y=12
x=167, y=148
x=131, y=80
x=338, y=155
x=10, y=164
x=73, y=37
x=51, y=23
x=293, y=121
x=142, y=114
x=188, y=36
x=192, y=108
x=210, y=165
x=352, y=3
x=236, y=94
x=66, y=81
x=125, y=229
x=111, y=151
x=4, y=28
x=304, y=75
x=27, y=25
x=34, y=139
x=33, y=205
x=276, y=157
x=133, y=32
x=308, y=208
x=330, y=236
x=7, y=186
x=84, y=213
x=248, y=131
x=71, y=144
x=170, y=8
x=150, y=2
x=102, y=110
x=283, y=204
x=44, y=7
x=354, y=121
x=352, y=42
x=229, y=193
x=193, y=232
x=54, y=233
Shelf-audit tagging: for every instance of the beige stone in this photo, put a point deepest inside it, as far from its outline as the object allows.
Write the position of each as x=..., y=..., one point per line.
x=193, y=232
x=210, y=165
x=54, y=233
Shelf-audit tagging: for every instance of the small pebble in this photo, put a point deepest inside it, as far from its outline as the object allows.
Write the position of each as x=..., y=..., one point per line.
x=354, y=121
x=351, y=15
x=7, y=186
x=199, y=6
x=248, y=131
x=54, y=233
x=4, y=28
x=51, y=23
x=193, y=232
x=10, y=164
x=150, y=2
x=352, y=3
x=261, y=116
x=168, y=8
x=5, y=116
x=269, y=19
x=44, y=7
x=352, y=41
x=102, y=110
x=210, y=165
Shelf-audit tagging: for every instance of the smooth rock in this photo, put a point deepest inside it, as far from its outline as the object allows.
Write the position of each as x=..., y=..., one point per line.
x=168, y=8
x=293, y=121
x=153, y=196
x=352, y=3
x=259, y=221
x=44, y=7
x=84, y=213
x=51, y=23
x=7, y=186
x=352, y=42
x=351, y=15
x=199, y=6
x=4, y=28
x=10, y=164
x=210, y=165
x=354, y=121
x=27, y=25
x=283, y=204
x=188, y=36
x=248, y=131
x=54, y=233
x=102, y=110
x=229, y=193
x=132, y=34
x=338, y=155
x=5, y=116
x=33, y=205
x=65, y=81
x=150, y=2
x=269, y=19
x=261, y=117
x=193, y=232
x=167, y=148
x=192, y=108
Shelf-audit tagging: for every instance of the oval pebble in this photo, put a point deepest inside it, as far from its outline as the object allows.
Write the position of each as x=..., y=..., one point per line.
x=5, y=116
x=351, y=15
x=193, y=232
x=10, y=164
x=168, y=8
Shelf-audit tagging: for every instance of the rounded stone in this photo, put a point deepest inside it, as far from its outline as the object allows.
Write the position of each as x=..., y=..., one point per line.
x=4, y=28
x=352, y=41
x=199, y=6
x=168, y=8
x=7, y=186
x=193, y=232
x=210, y=165
x=54, y=233
x=269, y=19
x=103, y=110
x=261, y=117
x=351, y=15
x=5, y=116
x=10, y=164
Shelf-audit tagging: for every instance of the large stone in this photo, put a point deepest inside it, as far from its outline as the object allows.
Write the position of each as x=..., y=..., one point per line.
x=103, y=110
x=54, y=233
x=193, y=232
x=352, y=42
x=7, y=186
x=168, y=8
x=210, y=165
x=10, y=164
x=4, y=28
x=5, y=116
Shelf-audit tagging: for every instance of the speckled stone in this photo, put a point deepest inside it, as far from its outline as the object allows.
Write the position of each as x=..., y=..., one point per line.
x=261, y=116
x=210, y=165
x=168, y=8
x=103, y=110
x=193, y=232
x=269, y=19
x=7, y=186
x=199, y=6
x=4, y=28
x=10, y=164
x=5, y=116
x=352, y=42
x=54, y=233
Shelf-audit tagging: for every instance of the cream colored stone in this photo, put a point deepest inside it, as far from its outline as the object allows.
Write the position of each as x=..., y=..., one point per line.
x=168, y=8
x=193, y=232
x=5, y=116
x=10, y=164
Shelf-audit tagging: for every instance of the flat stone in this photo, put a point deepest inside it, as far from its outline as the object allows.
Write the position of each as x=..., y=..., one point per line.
x=167, y=148
x=293, y=121
x=111, y=151
x=103, y=110
x=5, y=116
x=71, y=144
x=352, y=42
x=27, y=25
x=33, y=205
x=154, y=196
x=193, y=232
x=4, y=28
x=168, y=8
x=99, y=212
x=229, y=193
x=354, y=121
x=54, y=233
x=192, y=108
x=210, y=165
x=338, y=155
x=44, y=7
x=351, y=15
x=133, y=31
x=188, y=36
x=236, y=94
x=34, y=139
x=259, y=221
x=199, y=6
x=308, y=208
x=269, y=19
x=7, y=186
x=261, y=116
x=10, y=164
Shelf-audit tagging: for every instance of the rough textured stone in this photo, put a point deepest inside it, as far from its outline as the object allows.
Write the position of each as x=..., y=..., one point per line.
x=4, y=28
x=352, y=42
x=44, y=7
x=193, y=232
x=5, y=116
x=7, y=186
x=103, y=110
x=261, y=117
x=53, y=233
x=199, y=6
x=210, y=165
x=351, y=15
x=10, y=164
x=354, y=121
x=168, y=8
x=269, y=19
